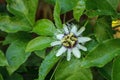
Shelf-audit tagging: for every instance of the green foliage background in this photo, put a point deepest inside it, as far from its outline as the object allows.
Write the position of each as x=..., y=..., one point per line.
x=25, y=51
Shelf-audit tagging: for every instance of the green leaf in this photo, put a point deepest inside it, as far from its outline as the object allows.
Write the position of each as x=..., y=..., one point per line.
x=106, y=71
x=79, y=9
x=16, y=55
x=91, y=45
x=41, y=53
x=56, y=15
x=4, y=72
x=3, y=60
x=15, y=77
x=102, y=54
x=44, y=27
x=48, y=64
x=13, y=24
x=1, y=78
x=23, y=9
x=50, y=1
x=39, y=43
x=66, y=5
x=100, y=7
x=116, y=69
x=114, y=4
x=102, y=29
x=11, y=37
x=72, y=71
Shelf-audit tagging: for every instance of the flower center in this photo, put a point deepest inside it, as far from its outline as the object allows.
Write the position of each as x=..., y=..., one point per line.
x=69, y=40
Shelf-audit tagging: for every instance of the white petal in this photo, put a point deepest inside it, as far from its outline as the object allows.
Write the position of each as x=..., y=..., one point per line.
x=55, y=43
x=83, y=39
x=80, y=31
x=59, y=36
x=74, y=29
x=81, y=47
x=61, y=51
x=69, y=54
x=76, y=52
x=65, y=28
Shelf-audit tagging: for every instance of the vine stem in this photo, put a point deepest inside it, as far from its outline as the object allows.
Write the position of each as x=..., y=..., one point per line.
x=55, y=69
x=70, y=20
x=64, y=18
x=85, y=23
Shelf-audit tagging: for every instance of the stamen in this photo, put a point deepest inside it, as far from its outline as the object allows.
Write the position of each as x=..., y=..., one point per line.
x=69, y=40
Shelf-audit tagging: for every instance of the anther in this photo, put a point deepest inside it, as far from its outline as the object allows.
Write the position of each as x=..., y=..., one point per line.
x=69, y=40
